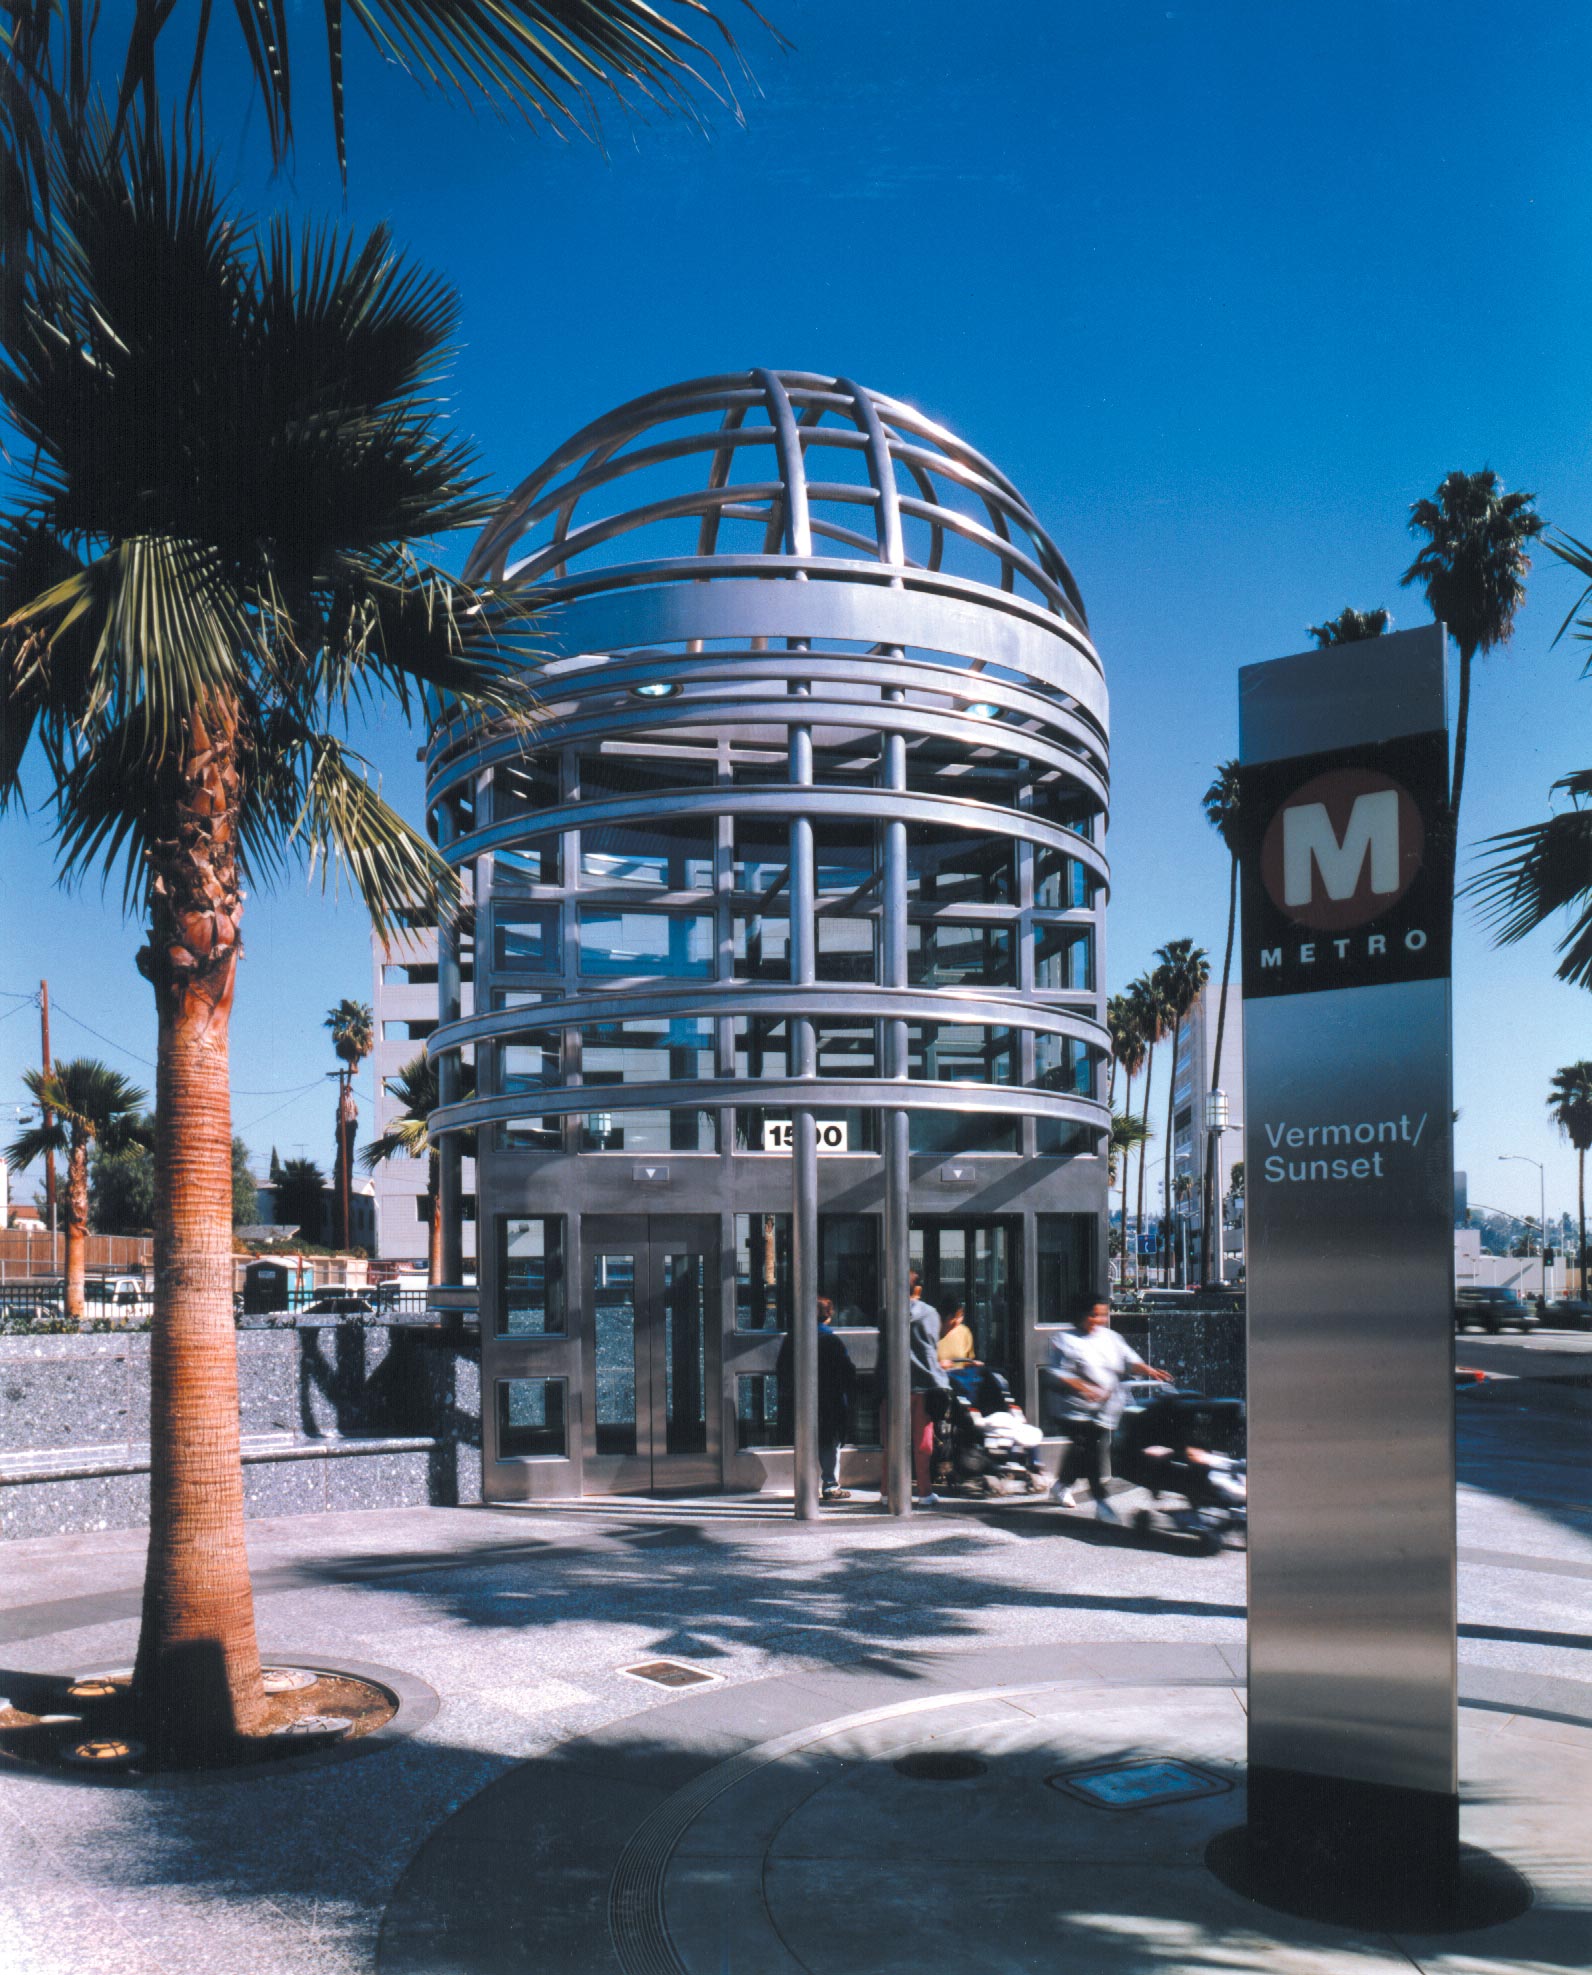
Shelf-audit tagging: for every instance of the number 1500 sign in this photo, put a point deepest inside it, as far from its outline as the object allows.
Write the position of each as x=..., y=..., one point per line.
x=781, y=1137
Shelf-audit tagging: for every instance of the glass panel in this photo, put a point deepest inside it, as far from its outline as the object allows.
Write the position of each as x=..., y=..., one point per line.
x=531, y=1419
x=762, y=948
x=847, y=1049
x=659, y=1049
x=1063, y=1063
x=946, y=953
x=649, y=1132
x=945, y=1134
x=526, y=939
x=530, y=1061
x=843, y=855
x=1067, y=1265
x=762, y=853
x=531, y=1278
x=685, y=1353
x=1064, y=958
x=650, y=850
x=523, y=791
x=757, y=1411
x=1061, y=883
x=973, y=1263
x=947, y=867
x=762, y=1272
x=941, y=1052
x=531, y=1135
x=1055, y=1140
x=614, y=1329
x=845, y=949
x=762, y=1044
x=658, y=944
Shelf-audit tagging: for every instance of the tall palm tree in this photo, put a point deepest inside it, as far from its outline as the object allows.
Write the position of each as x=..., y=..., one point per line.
x=1221, y=805
x=1127, y=1134
x=1118, y=1022
x=1472, y=567
x=1349, y=627
x=409, y=1137
x=1570, y=1106
x=233, y=438
x=353, y=1038
x=301, y=1197
x=1182, y=969
x=1128, y=1047
x=1150, y=1011
x=87, y=1105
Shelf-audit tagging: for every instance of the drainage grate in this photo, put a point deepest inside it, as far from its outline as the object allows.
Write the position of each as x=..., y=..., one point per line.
x=668, y=1673
x=1138, y=1785
x=938, y=1766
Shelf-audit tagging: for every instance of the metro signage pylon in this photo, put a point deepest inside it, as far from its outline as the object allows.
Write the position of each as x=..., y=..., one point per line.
x=1348, y=883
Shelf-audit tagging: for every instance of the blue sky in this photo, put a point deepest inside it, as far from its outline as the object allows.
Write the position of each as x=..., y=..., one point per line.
x=1223, y=287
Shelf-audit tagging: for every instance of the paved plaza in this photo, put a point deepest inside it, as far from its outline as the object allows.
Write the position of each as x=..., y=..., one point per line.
x=551, y=1811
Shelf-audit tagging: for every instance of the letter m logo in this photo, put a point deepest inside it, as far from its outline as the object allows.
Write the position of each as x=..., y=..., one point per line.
x=1312, y=848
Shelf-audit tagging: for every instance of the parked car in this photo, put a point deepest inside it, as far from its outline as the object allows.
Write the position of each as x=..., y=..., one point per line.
x=339, y=1303
x=1492, y=1310
x=1570, y=1313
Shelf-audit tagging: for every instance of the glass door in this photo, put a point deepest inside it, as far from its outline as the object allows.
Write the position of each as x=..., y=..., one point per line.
x=652, y=1293
x=974, y=1261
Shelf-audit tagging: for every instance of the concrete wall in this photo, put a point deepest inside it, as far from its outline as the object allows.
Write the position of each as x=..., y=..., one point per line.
x=336, y=1416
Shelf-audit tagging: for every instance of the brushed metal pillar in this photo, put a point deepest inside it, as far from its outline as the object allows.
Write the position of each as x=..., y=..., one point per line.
x=896, y=1451
x=1348, y=1167
x=804, y=1163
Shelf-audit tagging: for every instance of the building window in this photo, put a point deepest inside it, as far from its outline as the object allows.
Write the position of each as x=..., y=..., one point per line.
x=951, y=867
x=845, y=949
x=526, y=939
x=944, y=953
x=850, y=1270
x=532, y=1416
x=757, y=1412
x=676, y=855
x=1061, y=883
x=1054, y=1138
x=762, y=947
x=1068, y=1277
x=1063, y=1063
x=663, y=945
x=410, y=973
x=649, y=1132
x=525, y=790
x=531, y=1299
x=942, y=1052
x=660, y=1049
x=531, y=1135
x=407, y=1031
x=1064, y=959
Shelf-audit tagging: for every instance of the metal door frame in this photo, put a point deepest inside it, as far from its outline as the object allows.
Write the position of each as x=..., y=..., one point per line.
x=651, y=1469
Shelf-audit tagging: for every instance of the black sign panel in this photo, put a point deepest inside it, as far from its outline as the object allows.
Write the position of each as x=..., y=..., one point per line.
x=1348, y=868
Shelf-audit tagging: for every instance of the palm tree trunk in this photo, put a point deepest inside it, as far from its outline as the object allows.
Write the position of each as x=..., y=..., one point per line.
x=1144, y=1149
x=1580, y=1257
x=434, y=1238
x=76, y=1227
x=1461, y=736
x=1167, y=1243
x=1127, y=1159
x=1210, y=1225
x=197, y=1678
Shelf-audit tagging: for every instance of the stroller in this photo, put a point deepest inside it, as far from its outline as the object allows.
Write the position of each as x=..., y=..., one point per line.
x=982, y=1443
x=1181, y=1443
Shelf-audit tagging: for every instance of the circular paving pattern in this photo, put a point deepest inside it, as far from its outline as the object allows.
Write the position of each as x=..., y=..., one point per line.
x=929, y=1831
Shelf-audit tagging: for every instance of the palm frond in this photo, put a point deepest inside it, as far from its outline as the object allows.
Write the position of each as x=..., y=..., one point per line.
x=1541, y=869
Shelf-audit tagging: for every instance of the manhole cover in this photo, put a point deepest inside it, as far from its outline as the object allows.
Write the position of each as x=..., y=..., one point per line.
x=1137, y=1785
x=938, y=1766
x=286, y=1679
x=317, y=1724
x=668, y=1673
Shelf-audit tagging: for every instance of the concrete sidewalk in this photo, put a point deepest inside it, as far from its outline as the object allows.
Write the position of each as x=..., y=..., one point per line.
x=520, y=1623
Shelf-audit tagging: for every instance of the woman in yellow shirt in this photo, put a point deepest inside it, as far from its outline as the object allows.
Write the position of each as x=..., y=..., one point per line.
x=956, y=1340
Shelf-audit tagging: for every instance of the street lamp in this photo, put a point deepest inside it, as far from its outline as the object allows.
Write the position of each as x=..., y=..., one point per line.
x=1525, y=1159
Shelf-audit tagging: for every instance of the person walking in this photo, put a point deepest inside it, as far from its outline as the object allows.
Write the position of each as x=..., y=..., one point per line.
x=928, y=1375
x=1084, y=1381
x=837, y=1384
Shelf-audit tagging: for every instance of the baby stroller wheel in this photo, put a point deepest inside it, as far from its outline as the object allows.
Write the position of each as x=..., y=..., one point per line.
x=1143, y=1520
x=1210, y=1541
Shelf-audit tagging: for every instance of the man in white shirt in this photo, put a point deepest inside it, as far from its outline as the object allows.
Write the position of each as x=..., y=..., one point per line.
x=1084, y=1382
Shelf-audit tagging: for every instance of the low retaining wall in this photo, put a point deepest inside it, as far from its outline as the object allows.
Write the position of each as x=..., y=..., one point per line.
x=335, y=1416
x=1203, y=1351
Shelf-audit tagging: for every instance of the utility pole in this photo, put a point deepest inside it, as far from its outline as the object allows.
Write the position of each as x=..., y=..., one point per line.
x=47, y=1118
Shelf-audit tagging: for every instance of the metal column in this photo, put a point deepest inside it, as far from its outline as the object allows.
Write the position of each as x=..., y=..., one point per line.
x=896, y=1453
x=804, y=1175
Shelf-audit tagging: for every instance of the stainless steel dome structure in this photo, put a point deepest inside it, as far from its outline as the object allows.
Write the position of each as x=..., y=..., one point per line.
x=806, y=847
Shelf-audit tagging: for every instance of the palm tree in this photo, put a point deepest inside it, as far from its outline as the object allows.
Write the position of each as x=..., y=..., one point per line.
x=353, y=1038
x=1570, y=1106
x=409, y=1136
x=1118, y=1022
x=1221, y=805
x=1128, y=1047
x=1149, y=1013
x=1127, y=1132
x=1182, y=969
x=233, y=439
x=1472, y=567
x=1349, y=627
x=1544, y=868
x=86, y=1105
